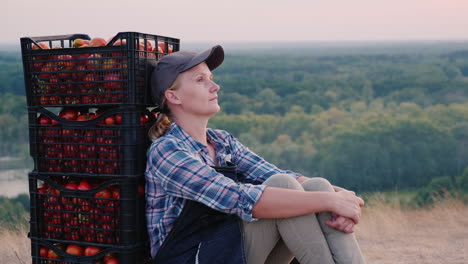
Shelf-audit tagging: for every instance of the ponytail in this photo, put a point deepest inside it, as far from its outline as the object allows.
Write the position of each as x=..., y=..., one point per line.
x=160, y=127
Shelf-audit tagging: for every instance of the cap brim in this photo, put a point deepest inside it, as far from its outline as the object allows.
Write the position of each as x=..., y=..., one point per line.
x=212, y=57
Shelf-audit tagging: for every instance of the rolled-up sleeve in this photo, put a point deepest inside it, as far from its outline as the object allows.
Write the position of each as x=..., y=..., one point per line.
x=182, y=174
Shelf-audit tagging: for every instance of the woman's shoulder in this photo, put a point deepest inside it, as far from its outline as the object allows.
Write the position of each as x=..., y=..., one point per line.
x=166, y=142
x=220, y=134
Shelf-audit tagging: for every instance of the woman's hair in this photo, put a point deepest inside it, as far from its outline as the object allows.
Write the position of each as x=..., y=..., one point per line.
x=164, y=120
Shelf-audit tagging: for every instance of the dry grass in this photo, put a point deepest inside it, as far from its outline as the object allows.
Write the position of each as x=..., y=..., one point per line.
x=391, y=234
x=15, y=247
x=387, y=234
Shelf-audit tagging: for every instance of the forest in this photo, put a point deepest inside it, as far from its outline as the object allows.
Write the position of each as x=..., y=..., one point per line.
x=366, y=121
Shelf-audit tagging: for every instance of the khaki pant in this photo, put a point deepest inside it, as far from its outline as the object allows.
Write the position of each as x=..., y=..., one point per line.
x=306, y=237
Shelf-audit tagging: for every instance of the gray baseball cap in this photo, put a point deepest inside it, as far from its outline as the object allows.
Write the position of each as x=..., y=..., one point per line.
x=170, y=66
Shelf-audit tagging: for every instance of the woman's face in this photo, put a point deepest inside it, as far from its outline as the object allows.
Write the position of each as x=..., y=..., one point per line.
x=197, y=93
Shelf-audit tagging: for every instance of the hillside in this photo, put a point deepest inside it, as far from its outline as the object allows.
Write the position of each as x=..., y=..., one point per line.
x=369, y=116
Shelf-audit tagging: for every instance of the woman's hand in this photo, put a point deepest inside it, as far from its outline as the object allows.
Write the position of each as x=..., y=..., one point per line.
x=301, y=179
x=349, y=205
x=341, y=223
x=338, y=189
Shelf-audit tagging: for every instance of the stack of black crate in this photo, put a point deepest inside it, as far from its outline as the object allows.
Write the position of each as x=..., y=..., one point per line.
x=87, y=185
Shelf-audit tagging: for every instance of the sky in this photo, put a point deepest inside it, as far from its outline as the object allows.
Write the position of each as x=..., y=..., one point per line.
x=240, y=21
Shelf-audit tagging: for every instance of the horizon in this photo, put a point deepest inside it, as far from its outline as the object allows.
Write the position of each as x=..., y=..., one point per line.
x=426, y=40
x=318, y=48
x=243, y=20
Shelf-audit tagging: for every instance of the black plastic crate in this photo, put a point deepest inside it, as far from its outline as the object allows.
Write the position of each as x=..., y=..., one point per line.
x=115, y=74
x=92, y=147
x=97, y=212
x=45, y=252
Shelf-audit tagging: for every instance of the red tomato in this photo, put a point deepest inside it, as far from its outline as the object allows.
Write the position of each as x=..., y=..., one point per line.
x=69, y=114
x=72, y=186
x=90, y=250
x=93, y=62
x=75, y=235
x=118, y=119
x=144, y=119
x=112, y=260
x=84, y=117
x=54, y=191
x=161, y=47
x=85, y=206
x=155, y=113
x=116, y=193
x=42, y=45
x=103, y=194
x=74, y=250
x=52, y=255
x=84, y=185
x=112, y=80
x=109, y=256
x=43, y=252
x=44, y=120
x=109, y=120
x=101, y=238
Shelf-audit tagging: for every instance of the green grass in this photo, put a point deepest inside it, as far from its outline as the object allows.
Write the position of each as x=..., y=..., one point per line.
x=14, y=163
x=398, y=198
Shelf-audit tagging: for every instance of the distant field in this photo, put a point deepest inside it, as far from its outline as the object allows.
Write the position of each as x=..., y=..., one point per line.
x=387, y=234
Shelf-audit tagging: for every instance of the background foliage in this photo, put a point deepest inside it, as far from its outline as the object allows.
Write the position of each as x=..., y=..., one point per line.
x=14, y=212
x=370, y=122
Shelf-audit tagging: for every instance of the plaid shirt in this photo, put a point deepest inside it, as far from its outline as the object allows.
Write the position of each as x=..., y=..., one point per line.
x=179, y=168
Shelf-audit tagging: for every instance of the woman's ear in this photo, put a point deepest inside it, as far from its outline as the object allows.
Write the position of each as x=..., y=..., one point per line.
x=172, y=97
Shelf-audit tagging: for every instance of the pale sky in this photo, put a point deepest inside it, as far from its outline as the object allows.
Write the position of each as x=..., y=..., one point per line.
x=240, y=20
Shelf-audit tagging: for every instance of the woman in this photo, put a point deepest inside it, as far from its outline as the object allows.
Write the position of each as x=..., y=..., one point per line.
x=211, y=200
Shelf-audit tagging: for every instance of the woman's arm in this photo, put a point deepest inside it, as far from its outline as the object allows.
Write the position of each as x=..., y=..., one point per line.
x=339, y=222
x=273, y=204
x=338, y=189
x=179, y=173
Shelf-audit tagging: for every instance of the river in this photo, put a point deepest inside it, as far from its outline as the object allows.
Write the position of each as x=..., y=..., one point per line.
x=14, y=182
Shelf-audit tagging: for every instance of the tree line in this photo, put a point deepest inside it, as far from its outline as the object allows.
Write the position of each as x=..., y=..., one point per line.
x=366, y=122
x=14, y=212
x=370, y=147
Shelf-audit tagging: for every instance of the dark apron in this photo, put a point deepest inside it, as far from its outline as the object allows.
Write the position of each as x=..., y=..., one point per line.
x=204, y=235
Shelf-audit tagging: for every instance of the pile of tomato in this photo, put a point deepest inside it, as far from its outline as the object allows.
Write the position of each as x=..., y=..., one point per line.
x=94, y=149
x=88, y=122
x=90, y=218
x=81, y=210
x=76, y=250
x=84, y=76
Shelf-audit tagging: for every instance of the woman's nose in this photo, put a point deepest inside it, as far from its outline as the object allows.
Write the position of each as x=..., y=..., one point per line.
x=215, y=87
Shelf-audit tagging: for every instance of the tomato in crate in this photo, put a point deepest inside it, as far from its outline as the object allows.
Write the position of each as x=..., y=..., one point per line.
x=75, y=70
x=76, y=253
x=110, y=142
x=85, y=209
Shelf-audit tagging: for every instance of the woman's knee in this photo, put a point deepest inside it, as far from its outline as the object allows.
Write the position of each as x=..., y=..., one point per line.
x=284, y=181
x=317, y=184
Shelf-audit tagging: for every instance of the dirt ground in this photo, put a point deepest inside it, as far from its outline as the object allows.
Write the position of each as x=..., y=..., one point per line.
x=387, y=234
